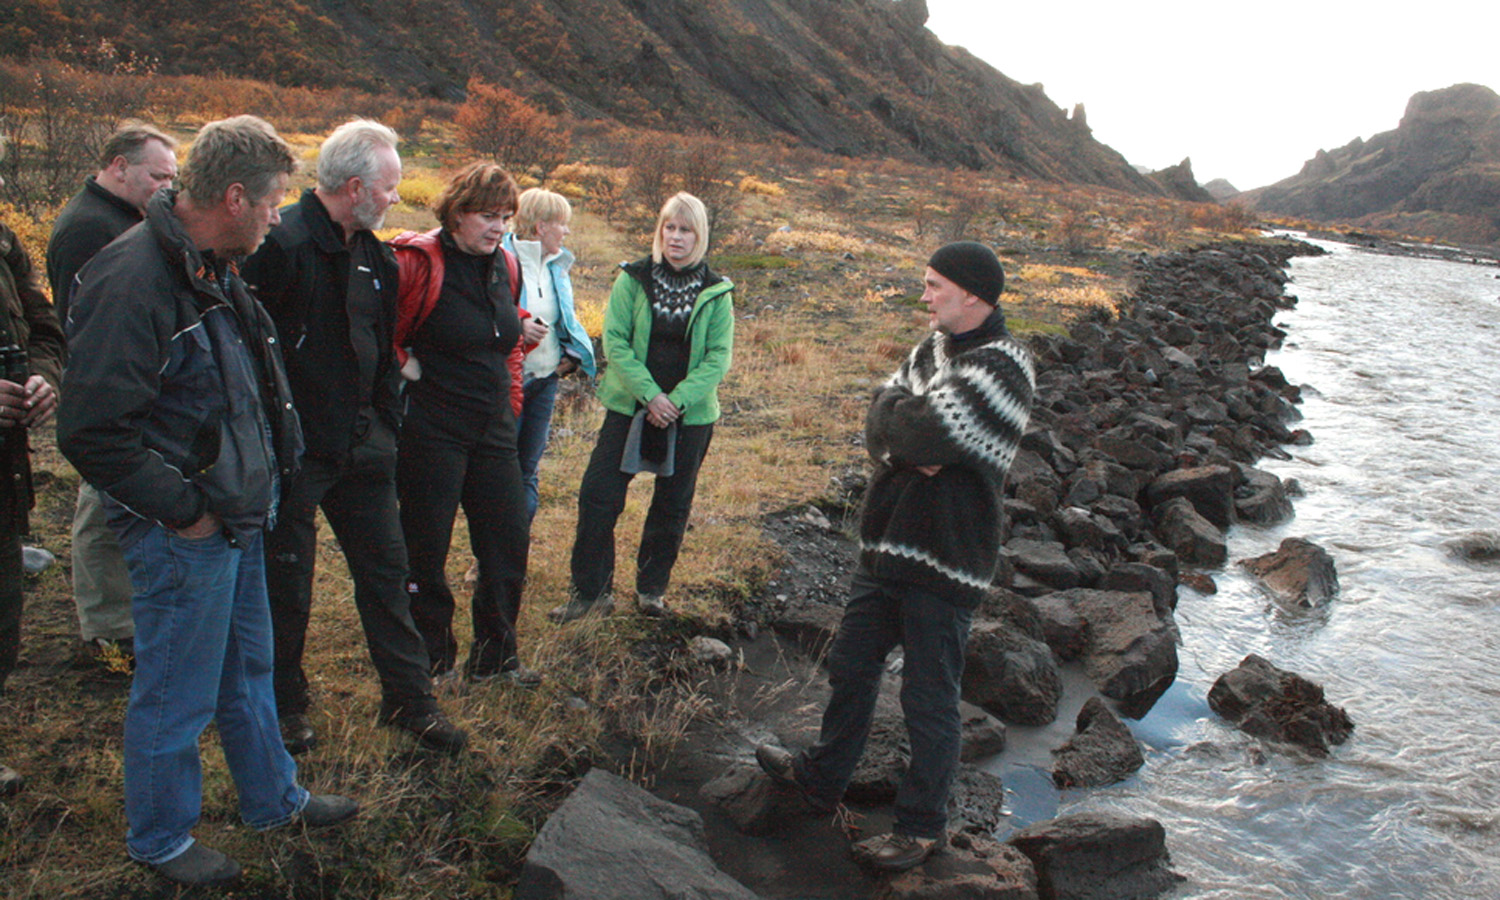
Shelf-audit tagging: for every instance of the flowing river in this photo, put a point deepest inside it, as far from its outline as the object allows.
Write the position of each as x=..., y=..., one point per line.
x=1398, y=358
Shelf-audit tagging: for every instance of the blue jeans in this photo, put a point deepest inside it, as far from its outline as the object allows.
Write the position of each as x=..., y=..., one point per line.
x=539, y=398
x=935, y=632
x=202, y=653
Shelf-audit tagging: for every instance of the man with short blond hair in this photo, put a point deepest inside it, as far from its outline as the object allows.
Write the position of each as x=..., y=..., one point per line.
x=330, y=286
x=137, y=161
x=176, y=406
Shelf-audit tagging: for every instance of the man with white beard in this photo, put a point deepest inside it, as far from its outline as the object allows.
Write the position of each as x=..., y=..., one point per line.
x=330, y=286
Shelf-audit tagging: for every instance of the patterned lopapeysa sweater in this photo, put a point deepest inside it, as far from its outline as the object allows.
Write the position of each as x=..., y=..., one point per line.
x=962, y=405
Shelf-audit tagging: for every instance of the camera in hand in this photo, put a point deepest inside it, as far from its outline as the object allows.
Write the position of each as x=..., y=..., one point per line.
x=15, y=364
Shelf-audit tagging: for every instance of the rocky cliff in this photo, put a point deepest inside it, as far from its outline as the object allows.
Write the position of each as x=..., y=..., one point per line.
x=852, y=77
x=1437, y=174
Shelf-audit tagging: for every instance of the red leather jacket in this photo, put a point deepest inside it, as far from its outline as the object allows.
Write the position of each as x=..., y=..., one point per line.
x=420, y=258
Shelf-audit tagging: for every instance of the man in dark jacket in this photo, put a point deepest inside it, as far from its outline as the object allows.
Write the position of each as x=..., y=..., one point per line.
x=137, y=161
x=330, y=286
x=942, y=432
x=31, y=356
x=180, y=414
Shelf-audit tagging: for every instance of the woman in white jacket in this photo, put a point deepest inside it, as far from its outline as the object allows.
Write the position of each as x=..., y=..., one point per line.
x=541, y=226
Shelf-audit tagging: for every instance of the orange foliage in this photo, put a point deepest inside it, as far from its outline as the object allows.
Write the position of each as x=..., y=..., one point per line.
x=498, y=122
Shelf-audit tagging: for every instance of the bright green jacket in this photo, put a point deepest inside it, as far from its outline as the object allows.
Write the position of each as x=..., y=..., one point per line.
x=627, y=385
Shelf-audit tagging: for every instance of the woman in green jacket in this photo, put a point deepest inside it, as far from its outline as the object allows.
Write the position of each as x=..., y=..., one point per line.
x=668, y=337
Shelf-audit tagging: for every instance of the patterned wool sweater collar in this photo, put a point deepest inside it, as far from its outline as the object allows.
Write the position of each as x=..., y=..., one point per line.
x=960, y=406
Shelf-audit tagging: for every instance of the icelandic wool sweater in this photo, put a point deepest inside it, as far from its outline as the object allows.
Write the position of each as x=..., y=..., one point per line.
x=962, y=404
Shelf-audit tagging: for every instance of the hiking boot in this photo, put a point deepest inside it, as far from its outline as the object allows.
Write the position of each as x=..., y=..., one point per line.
x=114, y=659
x=577, y=608
x=199, y=865
x=780, y=765
x=11, y=781
x=327, y=810
x=651, y=605
x=431, y=729
x=896, y=852
x=297, y=734
x=519, y=675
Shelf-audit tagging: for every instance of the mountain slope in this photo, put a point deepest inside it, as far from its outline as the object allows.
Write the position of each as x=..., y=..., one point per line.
x=852, y=77
x=1436, y=174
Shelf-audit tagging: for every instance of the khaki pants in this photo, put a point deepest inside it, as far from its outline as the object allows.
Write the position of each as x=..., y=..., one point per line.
x=101, y=583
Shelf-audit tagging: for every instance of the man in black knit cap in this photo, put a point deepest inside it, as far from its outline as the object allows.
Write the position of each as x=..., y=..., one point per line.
x=942, y=432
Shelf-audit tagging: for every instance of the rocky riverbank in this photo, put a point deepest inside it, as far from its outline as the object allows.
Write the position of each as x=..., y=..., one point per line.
x=1141, y=453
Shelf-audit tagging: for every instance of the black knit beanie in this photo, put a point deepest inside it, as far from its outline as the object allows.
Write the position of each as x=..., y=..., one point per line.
x=973, y=267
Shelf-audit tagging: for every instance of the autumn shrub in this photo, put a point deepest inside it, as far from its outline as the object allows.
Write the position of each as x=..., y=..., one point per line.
x=498, y=122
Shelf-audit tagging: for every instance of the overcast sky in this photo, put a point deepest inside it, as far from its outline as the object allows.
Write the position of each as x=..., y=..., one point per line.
x=1249, y=91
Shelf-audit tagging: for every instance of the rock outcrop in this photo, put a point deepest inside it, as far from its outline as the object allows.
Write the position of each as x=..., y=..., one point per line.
x=1436, y=174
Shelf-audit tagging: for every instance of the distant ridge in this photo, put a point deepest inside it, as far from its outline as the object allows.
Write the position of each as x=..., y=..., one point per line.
x=851, y=77
x=1436, y=175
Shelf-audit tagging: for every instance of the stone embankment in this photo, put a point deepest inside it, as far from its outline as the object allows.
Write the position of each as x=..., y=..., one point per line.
x=1141, y=453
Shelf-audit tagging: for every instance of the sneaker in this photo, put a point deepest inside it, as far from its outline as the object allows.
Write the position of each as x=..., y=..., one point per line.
x=431, y=729
x=36, y=560
x=297, y=734
x=651, y=605
x=199, y=865
x=780, y=765
x=896, y=852
x=11, y=781
x=327, y=810
x=523, y=676
x=576, y=608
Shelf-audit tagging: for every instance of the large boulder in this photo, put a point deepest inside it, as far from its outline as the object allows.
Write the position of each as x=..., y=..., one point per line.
x=1299, y=572
x=1209, y=488
x=1101, y=752
x=612, y=840
x=1132, y=650
x=1278, y=705
x=974, y=867
x=1045, y=561
x=1098, y=856
x=1262, y=499
x=1011, y=675
x=1194, y=539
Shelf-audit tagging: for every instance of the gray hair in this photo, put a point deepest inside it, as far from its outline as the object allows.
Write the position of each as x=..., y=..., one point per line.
x=349, y=152
x=129, y=140
x=243, y=150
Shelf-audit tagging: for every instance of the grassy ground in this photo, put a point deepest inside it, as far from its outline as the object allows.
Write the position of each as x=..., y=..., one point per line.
x=827, y=258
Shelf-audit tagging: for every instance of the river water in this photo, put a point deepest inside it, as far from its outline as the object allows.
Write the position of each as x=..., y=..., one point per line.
x=1398, y=358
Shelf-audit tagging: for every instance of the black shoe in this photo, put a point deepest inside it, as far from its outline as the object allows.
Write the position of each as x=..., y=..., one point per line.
x=199, y=865
x=431, y=729
x=896, y=852
x=297, y=734
x=577, y=608
x=326, y=810
x=651, y=605
x=11, y=781
x=778, y=763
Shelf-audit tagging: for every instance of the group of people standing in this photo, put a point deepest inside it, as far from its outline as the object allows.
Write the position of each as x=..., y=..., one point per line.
x=234, y=366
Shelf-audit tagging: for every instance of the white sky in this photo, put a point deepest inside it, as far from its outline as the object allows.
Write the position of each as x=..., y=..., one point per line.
x=1249, y=90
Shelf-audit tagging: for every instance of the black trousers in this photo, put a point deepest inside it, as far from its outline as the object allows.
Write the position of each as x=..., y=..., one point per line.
x=359, y=500
x=601, y=499
x=440, y=469
x=11, y=599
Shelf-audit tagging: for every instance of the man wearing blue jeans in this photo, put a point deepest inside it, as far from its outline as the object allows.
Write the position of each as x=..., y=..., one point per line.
x=942, y=432
x=177, y=409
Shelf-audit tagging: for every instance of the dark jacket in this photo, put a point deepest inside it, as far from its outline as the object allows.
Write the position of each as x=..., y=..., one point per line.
x=334, y=305
x=962, y=404
x=92, y=219
x=26, y=321
x=177, y=402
